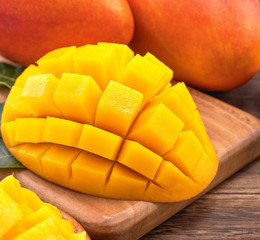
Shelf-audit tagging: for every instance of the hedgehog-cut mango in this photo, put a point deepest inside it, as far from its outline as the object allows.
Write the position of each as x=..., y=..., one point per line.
x=99, y=120
x=26, y=217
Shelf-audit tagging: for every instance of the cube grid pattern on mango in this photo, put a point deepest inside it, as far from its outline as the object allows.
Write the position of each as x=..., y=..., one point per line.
x=99, y=120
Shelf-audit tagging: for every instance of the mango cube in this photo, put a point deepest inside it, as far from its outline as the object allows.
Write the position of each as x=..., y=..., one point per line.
x=58, y=61
x=118, y=108
x=77, y=97
x=87, y=169
x=38, y=95
x=143, y=76
x=168, y=73
x=10, y=212
x=171, y=178
x=13, y=188
x=196, y=125
x=8, y=133
x=46, y=229
x=14, y=106
x=157, y=129
x=184, y=157
x=100, y=142
x=99, y=62
x=31, y=70
x=56, y=163
x=61, y=131
x=31, y=155
x=125, y=183
x=172, y=99
x=140, y=159
x=123, y=52
x=29, y=129
x=30, y=199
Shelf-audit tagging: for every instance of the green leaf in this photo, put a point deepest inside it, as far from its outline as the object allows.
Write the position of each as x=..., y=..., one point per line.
x=9, y=73
x=6, y=159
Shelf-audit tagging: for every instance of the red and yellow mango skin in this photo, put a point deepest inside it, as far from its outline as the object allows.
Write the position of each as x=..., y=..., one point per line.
x=210, y=45
x=29, y=30
x=130, y=137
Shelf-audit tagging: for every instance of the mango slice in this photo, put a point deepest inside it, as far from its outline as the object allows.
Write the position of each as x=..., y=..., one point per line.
x=43, y=221
x=101, y=121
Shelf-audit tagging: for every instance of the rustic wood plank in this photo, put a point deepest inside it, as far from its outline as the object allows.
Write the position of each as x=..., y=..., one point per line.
x=221, y=217
x=246, y=181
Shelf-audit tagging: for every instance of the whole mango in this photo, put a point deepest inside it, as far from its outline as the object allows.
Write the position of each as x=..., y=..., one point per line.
x=29, y=29
x=211, y=45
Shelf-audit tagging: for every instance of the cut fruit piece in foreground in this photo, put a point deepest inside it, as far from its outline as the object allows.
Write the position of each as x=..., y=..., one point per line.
x=43, y=221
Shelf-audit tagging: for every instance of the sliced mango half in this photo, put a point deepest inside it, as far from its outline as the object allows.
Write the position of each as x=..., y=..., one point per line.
x=99, y=120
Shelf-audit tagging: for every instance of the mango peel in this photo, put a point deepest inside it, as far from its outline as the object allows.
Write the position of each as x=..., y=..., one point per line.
x=101, y=121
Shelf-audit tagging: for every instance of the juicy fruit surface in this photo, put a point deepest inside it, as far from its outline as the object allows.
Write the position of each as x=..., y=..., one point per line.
x=24, y=216
x=112, y=126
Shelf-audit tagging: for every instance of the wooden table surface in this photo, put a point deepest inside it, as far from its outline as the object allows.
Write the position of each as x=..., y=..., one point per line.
x=232, y=209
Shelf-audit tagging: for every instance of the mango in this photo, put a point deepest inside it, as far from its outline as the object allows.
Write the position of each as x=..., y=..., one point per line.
x=210, y=45
x=122, y=132
x=29, y=31
x=43, y=221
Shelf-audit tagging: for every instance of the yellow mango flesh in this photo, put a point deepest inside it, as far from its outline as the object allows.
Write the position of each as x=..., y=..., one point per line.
x=15, y=106
x=118, y=108
x=77, y=94
x=178, y=100
x=99, y=62
x=37, y=95
x=58, y=61
x=110, y=125
x=152, y=123
x=62, y=131
x=32, y=70
x=44, y=221
x=144, y=76
x=87, y=169
x=123, y=52
x=10, y=212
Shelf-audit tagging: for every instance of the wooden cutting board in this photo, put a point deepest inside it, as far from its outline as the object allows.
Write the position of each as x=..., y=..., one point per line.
x=235, y=136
